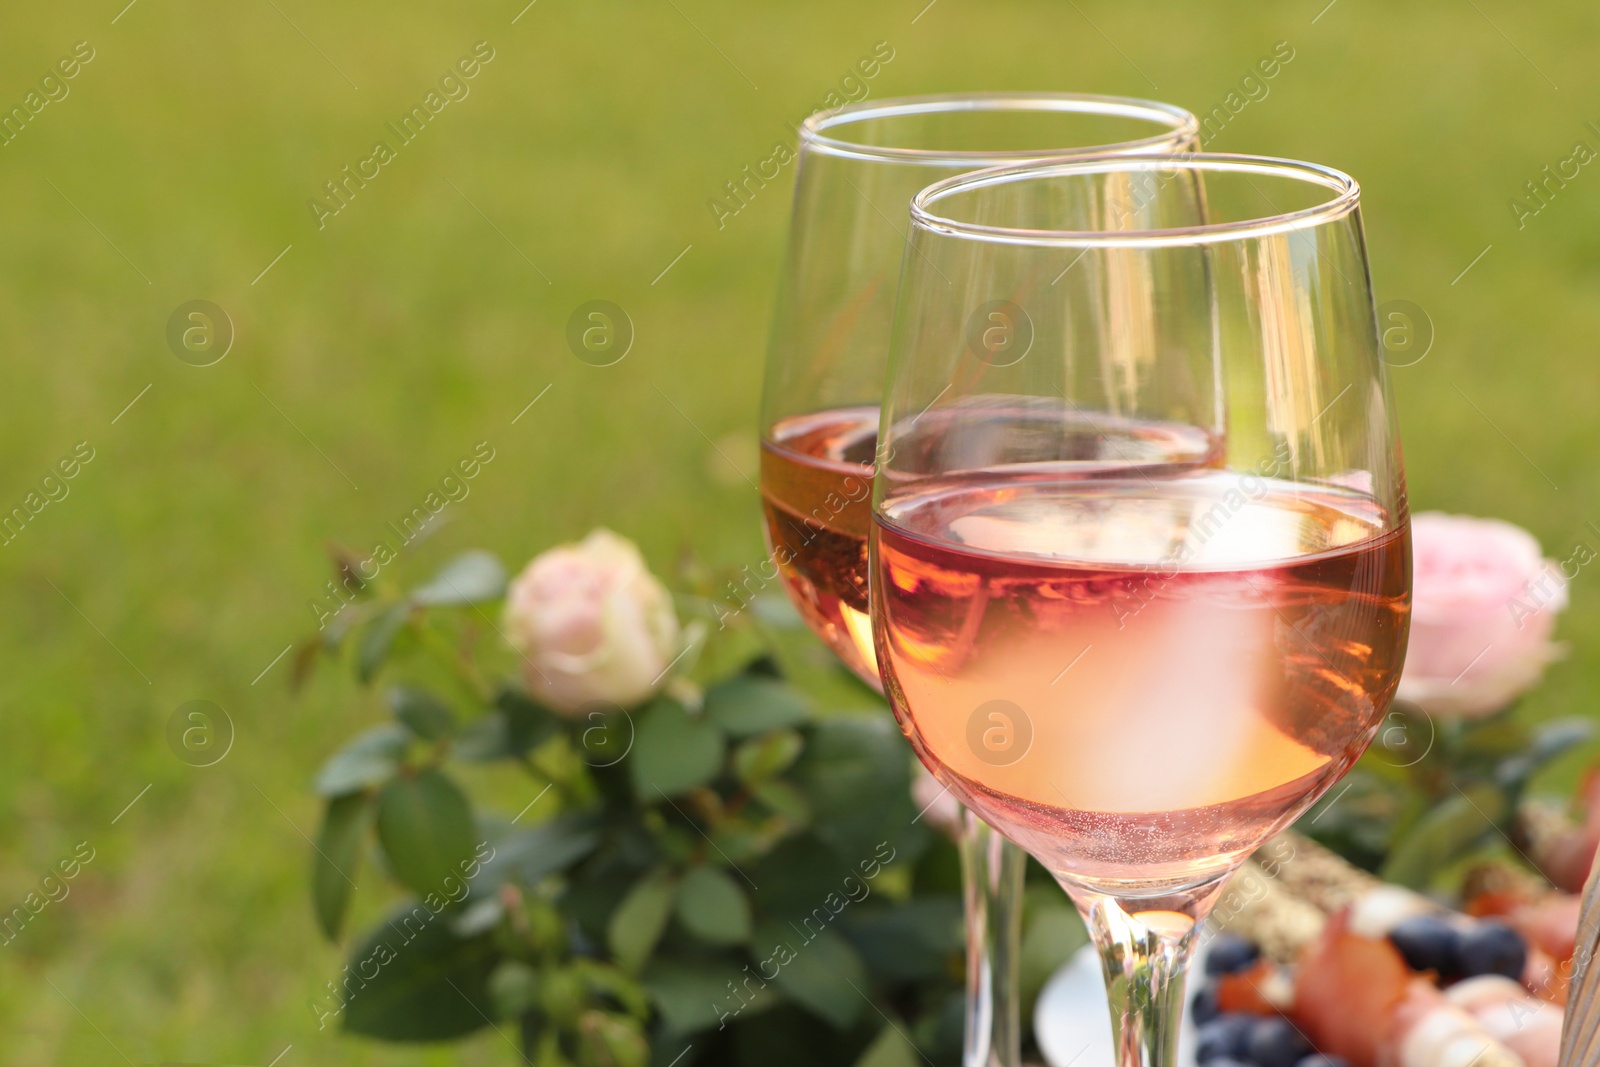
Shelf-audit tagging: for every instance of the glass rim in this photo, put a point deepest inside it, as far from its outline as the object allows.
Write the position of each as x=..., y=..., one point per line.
x=1180, y=126
x=1346, y=199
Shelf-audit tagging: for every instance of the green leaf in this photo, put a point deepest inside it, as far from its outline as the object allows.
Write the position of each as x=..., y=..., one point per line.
x=484, y=740
x=856, y=773
x=749, y=704
x=1451, y=827
x=607, y=1039
x=639, y=920
x=470, y=578
x=1495, y=737
x=337, y=855
x=817, y=969
x=613, y=982
x=428, y=984
x=544, y=849
x=740, y=840
x=547, y=1052
x=891, y=1048
x=1361, y=818
x=915, y=941
x=514, y=727
x=425, y=827
x=562, y=995
x=797, y=876
x=1551, y=739
x=693, y=995
x=713, y=907
x=514, y=988
x=377, y=639
x=477, y=915
x=788, y=1036
x=763, y=757
x=1548, y=742
x=597, y=890
x=425, y=714
x=811, y=668
x=372, y=758
x=673, y=751
x=338, y=628
x=784, y=799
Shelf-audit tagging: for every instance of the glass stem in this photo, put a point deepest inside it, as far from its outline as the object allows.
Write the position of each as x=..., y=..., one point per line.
x=1144, y=946
x=992, y=871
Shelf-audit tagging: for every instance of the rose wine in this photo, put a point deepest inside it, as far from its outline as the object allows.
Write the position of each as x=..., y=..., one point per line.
x=1139, y=679
x=816, y=487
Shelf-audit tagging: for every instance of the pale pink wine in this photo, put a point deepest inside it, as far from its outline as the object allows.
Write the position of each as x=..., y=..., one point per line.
x=816, y=487
x=1139, y=679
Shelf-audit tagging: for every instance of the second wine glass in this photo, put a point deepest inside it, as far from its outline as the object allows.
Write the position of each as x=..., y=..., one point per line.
x=858, y=169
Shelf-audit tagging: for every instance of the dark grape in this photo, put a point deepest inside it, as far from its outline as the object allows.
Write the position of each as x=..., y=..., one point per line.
x=1204, y=1007
x=1230, y=953
x=1223, y=1038
x=1492, y=948
x=1428, y=943
x=1275, y=1042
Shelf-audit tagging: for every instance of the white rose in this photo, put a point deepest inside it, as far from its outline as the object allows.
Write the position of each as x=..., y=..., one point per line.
x=592, y=624
x=1484, y=602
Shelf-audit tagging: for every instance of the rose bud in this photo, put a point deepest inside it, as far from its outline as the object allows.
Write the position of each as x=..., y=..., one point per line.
x=592, y=624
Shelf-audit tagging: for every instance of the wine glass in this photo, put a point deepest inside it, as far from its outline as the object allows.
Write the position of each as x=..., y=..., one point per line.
x=858, y=169
x=1139, y=674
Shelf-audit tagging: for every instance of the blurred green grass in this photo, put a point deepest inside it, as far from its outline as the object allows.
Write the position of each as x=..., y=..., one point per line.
x=414, y=326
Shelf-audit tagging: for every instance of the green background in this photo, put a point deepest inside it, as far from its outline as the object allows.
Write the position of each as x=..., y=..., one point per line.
x=423, y=318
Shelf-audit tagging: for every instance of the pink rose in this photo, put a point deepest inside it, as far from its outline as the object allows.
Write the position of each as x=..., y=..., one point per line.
x=1484, y=601
x=592, y=624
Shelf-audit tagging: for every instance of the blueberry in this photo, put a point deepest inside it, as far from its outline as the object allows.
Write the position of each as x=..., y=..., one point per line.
x=1274, y=1042
x=1223, y=1039
x=1493, y=948
x=1204, y=1007
x=1317, y=1059
x=1429, y=944
x=1230, y=953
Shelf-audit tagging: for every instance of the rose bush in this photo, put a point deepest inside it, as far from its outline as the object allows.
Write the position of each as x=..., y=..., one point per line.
x=1484, y=602
x=703, y=865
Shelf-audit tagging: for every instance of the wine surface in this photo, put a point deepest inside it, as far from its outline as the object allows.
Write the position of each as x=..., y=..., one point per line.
x=816, y=487
x=1138, y=679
